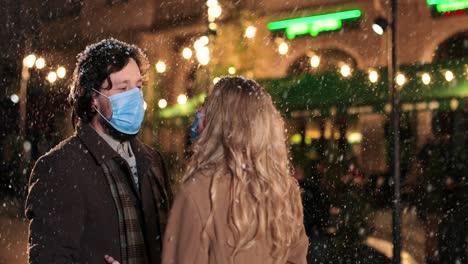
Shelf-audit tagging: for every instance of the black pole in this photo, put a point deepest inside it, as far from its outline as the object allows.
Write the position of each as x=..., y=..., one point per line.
x=396, y=230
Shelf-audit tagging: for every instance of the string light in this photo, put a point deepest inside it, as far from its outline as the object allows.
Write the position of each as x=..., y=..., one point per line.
x=61, y=72
x=400, y=79
x=215, y=11
x=426, y=78
x=162, y=103
x=212, y=3
x=373, y=76
x=212, y=26
x=283, y=48
x=187, y=53
x=40, y=63
x=232, y=70
x=52, y=77
x=449, y=76
x=182, y=99
x=203, y=55
x=250, y=32
x=216, y=79
x=201, y=42
x=345, y=70
x=315, y=61
x=160, y=66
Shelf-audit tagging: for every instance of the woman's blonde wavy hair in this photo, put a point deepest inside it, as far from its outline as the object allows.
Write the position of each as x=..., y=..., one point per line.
x=244, y=140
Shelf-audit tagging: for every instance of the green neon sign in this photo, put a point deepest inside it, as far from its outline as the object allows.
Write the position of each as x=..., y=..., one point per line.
x=436, y=2
x=313, y=25
x=448, y=5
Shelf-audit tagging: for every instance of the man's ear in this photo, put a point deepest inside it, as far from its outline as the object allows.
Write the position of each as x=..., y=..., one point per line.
x=94, y=103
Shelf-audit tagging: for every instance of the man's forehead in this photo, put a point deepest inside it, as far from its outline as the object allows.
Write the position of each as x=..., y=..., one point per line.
x=131, y=72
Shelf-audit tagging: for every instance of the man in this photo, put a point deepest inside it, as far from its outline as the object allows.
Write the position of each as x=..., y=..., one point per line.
x=101, y=191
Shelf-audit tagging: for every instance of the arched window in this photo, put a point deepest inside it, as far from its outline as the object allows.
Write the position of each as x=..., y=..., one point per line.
x=455, y=47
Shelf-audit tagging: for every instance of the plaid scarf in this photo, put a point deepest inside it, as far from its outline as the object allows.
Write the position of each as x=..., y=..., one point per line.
x=132, y=245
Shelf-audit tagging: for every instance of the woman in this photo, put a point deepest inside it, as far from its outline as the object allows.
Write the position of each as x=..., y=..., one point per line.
x=238, y=202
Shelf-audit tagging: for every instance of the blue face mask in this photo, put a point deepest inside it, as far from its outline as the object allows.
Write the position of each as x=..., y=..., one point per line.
x=194, y=129
x=128, y=111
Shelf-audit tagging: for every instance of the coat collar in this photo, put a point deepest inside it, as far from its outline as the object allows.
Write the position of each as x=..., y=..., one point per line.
x=96, y=145
x=102, y=152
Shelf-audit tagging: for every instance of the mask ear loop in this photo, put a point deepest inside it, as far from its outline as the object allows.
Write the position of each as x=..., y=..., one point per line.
x=101, y=93
x=99, y=112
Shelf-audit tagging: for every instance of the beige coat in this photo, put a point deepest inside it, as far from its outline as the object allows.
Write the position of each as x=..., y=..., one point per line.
x=183, y=238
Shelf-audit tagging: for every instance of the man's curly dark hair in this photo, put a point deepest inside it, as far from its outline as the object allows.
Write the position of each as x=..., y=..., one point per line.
x=94, y=66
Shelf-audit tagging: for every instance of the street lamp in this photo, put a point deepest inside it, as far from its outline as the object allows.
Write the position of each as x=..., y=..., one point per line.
x=379, y=26
x=29, y=61
x=14, y=98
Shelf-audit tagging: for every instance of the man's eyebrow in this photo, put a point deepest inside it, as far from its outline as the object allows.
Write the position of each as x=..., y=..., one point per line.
x=127, y=81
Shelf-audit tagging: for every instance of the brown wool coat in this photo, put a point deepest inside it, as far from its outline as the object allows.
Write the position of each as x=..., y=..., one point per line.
x=183, y=241
x=73, y=218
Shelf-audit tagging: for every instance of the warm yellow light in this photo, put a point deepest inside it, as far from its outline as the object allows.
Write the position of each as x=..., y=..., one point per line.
x=203, y=55
x=29, y=60
x=283, y=48
x=145, y=105
x=14, y=98
x=162, y=103
x=216, y=79
x=61, y=72
x=40, y=63
x=213, y=26
x=201, y=42
x=454, y=104
x=449, y=76
x=373, y=76
x=215, y=11
x=160, y=66
x=315, y=61
x=426, y=78
x=345, y=70
x=400, y=79
x=211, y=3
x=52, y=77
x=355, y=138
x=232, y=70
x=250, y=32
x=182, y=99
x=187, y=53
